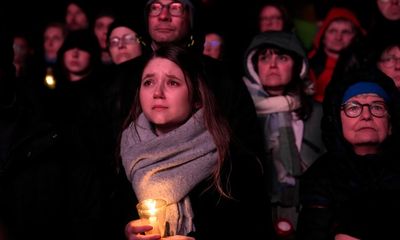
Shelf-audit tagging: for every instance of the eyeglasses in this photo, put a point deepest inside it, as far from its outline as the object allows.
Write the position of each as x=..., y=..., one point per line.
x=214, y=43
x=174, y=8
x=354, y=109
x=124, y=40
x=272, y=19
x=389, y=61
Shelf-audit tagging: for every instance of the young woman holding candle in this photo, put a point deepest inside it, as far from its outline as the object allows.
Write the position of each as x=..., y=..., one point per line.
x=177, y=147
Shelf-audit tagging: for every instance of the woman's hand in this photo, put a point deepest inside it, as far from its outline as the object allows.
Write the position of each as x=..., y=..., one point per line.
x=134, y=231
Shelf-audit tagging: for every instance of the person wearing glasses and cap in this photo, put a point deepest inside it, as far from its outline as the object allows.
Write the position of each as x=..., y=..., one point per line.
x=361, y=165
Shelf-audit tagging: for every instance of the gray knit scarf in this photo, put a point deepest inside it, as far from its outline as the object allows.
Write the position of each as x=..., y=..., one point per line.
x=169, y=166
x=275, y=115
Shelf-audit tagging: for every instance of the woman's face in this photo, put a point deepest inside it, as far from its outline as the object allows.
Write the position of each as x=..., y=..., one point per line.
x=365, y=132
x=76, y=61
x=164, y=95
x=275, y=71
x=389, y=63
x=338, y=36
x=123, y=45
x=213, y=46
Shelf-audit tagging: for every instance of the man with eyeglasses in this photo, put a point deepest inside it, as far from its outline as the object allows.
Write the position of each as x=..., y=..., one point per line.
x=169, y=22
x=342, y=192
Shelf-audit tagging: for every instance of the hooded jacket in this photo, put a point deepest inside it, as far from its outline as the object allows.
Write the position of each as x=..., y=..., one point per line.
x=284, y=40
x=306, y=130
x=321, y=65
x=289, y=42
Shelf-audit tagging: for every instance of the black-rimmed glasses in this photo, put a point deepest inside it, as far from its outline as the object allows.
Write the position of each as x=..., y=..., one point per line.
x=174, y=8
x=124, y=40
x=354, y=109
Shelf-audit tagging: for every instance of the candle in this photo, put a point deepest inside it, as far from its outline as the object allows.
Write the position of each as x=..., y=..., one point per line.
x=152, y=211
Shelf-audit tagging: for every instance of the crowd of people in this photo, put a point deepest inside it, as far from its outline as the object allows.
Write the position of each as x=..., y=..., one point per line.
x=273, y=141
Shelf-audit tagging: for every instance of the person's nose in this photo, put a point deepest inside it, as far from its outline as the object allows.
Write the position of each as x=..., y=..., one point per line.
x=158, y=91
x=339, y=36
x=75, y=53
x=273, y=61
x=164, y=14
x=121, y=43
x=365, y=112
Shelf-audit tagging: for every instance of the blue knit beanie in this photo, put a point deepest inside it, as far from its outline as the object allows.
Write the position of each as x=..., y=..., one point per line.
x=362, y=88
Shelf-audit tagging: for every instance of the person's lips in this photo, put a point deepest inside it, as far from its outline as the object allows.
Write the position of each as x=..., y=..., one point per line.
x=159, y=107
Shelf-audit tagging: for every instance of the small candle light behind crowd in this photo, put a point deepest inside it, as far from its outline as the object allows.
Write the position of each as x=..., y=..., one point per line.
x=49, y=79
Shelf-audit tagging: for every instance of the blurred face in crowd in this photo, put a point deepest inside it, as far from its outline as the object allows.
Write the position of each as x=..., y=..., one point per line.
x=168, y=21
x=21, y=50
x=366, y=132
x=100, y=29
x=390, y=9
x=270, y=19
x=77, y=62
x=76, y=18
x=124, y=45
x=53, y=40
x=213, y=46
x=338, y=36
x=164, y=95
x=389, y=63
x=275, y=71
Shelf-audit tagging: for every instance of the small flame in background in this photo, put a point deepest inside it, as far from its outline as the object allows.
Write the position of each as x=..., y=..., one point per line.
x=49, y=80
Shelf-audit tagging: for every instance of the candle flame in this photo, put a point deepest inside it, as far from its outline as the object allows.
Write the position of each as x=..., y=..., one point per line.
x=151, y=205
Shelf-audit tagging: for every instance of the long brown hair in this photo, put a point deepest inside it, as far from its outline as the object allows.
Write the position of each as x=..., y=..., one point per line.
x=200, y=96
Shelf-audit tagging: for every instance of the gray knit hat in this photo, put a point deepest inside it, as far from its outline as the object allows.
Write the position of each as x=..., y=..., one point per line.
x=282, y=39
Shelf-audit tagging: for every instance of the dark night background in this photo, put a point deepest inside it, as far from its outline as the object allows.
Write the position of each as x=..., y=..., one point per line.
x=31, y=16
x=237, y=21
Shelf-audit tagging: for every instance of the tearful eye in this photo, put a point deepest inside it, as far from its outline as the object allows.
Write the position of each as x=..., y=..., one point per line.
x=173, y=83
x=147, y=82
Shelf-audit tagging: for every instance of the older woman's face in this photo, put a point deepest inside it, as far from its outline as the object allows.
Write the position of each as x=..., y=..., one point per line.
x=124, y=45
x=365, y=132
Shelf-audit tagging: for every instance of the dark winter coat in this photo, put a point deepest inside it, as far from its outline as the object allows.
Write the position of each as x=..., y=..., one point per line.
x=333, y=189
